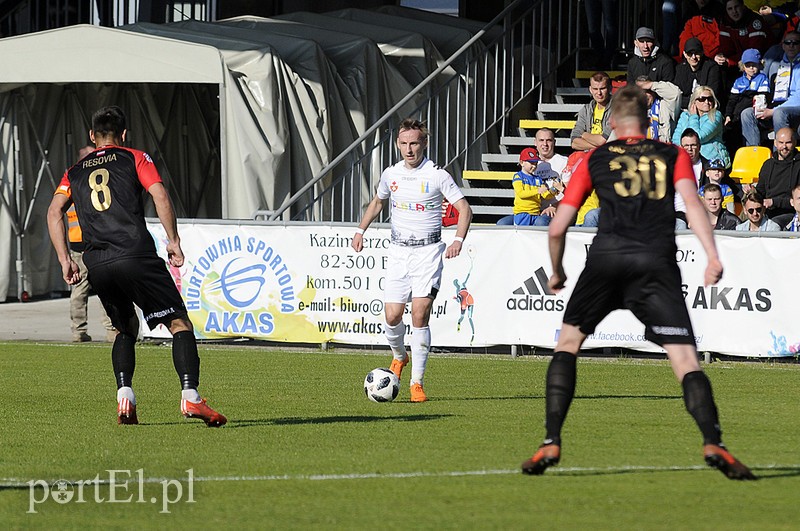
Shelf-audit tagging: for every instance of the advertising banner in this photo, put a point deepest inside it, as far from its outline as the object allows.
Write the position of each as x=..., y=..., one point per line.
x=305, y=284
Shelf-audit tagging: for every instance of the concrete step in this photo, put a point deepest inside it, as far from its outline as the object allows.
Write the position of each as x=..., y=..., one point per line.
x=489, y=192
x=493, y=210
x=573, y=91
x=500, y=158
x=528, y=141
x=558, y=108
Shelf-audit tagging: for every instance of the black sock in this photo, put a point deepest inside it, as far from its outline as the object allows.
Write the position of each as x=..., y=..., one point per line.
x=560, y=388
x=699, y=402
x=186, y=359
x=123, y=359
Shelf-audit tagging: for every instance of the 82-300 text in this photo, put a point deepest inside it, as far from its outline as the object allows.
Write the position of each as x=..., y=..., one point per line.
x=349, y=261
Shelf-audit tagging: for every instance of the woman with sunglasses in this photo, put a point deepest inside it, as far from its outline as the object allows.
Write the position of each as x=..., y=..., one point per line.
x=704, y=116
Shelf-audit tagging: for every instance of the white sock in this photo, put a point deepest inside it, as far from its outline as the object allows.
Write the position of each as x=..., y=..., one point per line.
x=395, y=335
x=126, y=392
x=191, y=395
x=420, y=346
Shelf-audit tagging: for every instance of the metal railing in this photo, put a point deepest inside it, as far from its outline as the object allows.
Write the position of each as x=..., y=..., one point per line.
x=527, y=43
x=29, y=16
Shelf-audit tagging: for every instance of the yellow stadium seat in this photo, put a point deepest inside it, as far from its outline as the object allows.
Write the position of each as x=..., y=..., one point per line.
x=747, y=163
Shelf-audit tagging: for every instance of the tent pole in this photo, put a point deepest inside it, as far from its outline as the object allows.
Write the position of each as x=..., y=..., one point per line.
x=223, y=151
x=18, y=201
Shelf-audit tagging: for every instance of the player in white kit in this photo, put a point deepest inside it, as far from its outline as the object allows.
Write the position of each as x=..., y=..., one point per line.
x=416, y=187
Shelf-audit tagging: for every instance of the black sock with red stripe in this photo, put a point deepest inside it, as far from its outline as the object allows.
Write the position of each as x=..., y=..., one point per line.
x=560, y=389
x=123, y=359
x=699, y=402
x=186, y=359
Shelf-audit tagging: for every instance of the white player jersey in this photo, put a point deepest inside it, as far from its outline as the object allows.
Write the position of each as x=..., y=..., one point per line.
x=416, y=199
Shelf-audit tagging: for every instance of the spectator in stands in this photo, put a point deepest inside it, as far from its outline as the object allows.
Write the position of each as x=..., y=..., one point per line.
x=529, y=190
x=545, y=141
x=647, y=61
x=705, y=118
x=703, y=23
x=715, y=175
x=592, y=127
x=753, y=82
x=690, y=142
x=710, y=8
x=664, y=99
x=603, y=47
x=756, y=220
x=739, y=30
x=784, y=108
x=794, y=224
x=677, y=14
x=720, y=218
x=784, y=51
x=778, y=177
x=696, y=70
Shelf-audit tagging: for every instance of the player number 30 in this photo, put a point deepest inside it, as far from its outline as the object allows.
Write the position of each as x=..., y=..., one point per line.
x=639, y=175
x=98, y=182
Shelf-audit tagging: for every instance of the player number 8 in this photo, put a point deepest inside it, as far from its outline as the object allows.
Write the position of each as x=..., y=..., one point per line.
x=100, y=186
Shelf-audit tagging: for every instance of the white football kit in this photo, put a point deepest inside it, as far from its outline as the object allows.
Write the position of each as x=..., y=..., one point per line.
x=415, y=254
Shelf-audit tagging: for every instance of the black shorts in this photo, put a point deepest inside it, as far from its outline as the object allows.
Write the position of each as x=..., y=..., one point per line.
x=143, y=281
x=646, y=284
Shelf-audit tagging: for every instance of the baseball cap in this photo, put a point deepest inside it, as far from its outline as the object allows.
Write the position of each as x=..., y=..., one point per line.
x=645, y=33
x=529, y=155
x=693, y=45
x=716, y=164
x=751, y=55
x=545, y=171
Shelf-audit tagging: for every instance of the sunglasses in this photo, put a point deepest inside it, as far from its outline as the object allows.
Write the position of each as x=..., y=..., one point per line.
x=754, y=210
x=704, y=98
x=791, y=43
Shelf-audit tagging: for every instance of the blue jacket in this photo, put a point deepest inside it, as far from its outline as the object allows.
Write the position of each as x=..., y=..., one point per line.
x=710, y=132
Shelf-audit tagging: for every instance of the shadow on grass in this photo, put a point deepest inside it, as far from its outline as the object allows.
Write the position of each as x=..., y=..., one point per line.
x=542, y=397
x=761, y=472
x=640, y=397
x=291, y=421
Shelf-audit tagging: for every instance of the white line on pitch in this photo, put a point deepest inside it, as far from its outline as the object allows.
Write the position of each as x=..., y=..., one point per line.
x=18, y=483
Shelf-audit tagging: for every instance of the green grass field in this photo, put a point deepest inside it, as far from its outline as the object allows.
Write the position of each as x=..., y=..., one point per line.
x=305, y=449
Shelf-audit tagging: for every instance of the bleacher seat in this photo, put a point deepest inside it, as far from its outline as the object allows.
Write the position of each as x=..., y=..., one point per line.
x=747, y=163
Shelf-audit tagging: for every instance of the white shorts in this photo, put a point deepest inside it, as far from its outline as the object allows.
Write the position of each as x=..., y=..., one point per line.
x=413, y=272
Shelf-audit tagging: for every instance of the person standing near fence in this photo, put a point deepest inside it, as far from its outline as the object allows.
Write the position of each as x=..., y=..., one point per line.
x=415, y=187
x=631, y=265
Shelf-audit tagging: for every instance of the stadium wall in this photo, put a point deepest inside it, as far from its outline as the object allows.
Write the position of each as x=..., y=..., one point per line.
x=304, y=284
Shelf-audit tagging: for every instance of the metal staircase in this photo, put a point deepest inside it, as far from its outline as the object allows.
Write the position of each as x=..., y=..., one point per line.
x=528, y=43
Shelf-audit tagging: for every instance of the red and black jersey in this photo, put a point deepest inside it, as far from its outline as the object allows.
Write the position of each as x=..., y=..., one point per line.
x=107, y=189
x=635, y=182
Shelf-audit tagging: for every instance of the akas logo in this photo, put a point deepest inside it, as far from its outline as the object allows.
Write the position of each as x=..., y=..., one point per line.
x=240, y=283
x=534, y=295
x=235, y=283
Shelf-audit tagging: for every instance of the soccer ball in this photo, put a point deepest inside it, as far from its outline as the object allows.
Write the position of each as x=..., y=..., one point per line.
x=381, y=385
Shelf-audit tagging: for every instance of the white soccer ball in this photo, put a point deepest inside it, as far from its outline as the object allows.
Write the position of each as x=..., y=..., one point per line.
x=381, y=385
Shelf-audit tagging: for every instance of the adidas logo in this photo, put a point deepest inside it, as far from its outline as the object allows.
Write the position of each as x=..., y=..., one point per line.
x=534, y=295
x=529, y=287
